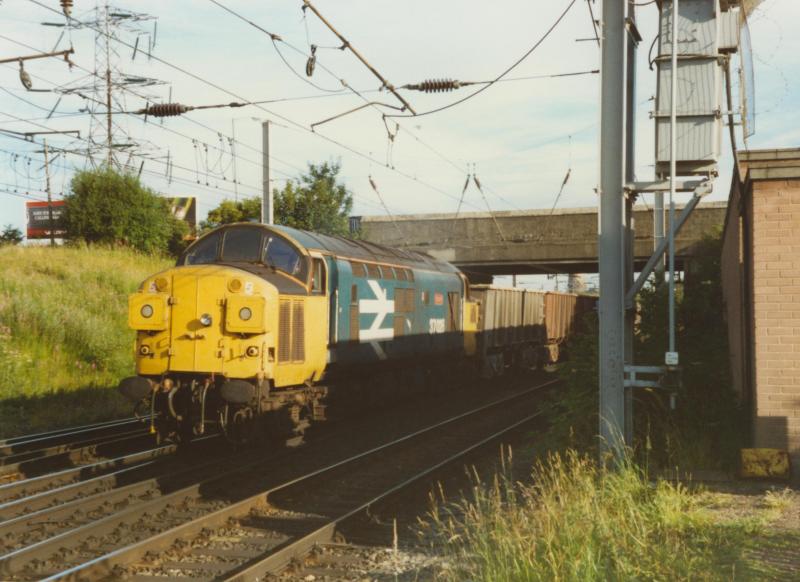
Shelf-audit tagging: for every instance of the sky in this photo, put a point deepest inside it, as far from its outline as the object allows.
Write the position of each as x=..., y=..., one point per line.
x=520, y=137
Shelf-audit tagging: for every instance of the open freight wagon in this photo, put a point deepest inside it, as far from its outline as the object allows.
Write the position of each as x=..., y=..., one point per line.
x=523, y=327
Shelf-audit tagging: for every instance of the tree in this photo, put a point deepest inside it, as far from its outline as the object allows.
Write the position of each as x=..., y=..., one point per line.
x=10, y=236
x=317, y=201
x=108, y=207
x=245, y=210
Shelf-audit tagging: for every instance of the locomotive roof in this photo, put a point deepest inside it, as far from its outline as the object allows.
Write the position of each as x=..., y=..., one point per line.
x=358, y=249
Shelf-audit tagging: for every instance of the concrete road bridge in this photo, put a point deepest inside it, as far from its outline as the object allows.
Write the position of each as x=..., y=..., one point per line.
x=528, y=241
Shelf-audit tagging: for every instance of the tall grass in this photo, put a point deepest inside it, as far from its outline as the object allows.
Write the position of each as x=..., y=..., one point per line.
x=578, y=521
x=63, y=327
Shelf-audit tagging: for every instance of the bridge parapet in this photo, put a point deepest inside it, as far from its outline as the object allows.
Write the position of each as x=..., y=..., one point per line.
x=529, y=241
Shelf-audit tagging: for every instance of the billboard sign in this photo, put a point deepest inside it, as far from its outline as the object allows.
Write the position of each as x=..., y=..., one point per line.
x=39, y=219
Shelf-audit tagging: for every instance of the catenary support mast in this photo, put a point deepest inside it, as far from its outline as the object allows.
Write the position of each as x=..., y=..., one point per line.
x=612, y=236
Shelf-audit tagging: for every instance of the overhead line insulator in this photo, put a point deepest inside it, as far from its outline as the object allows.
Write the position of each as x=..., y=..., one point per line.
x=165, y=109
x=66, y=6
x=436, y=85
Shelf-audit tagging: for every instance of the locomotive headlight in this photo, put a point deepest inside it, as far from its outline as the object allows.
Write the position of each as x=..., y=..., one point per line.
x=252, y=351
x=146, y=310
x=162, y=284
x=205, y=319
x=245, y=314
x=144, y=350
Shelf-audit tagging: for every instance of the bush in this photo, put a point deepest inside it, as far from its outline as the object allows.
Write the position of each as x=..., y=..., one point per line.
x=705, y=429
x=10, y=236
x=112, y=208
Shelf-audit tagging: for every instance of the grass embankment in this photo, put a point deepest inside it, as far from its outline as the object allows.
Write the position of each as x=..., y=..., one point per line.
x=64, y=340
x=575, y=521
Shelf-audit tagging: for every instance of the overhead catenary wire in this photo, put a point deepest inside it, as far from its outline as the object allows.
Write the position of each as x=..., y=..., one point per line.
x=274, y=36
x=213, y=189
x=347, y=86
x=300, y=126
x=594, y=21
x=514, y=65
x=444, y=85
x=384, y=83
x=127, y=89
x=386, y=208
x=284, y=118
x=491, y=212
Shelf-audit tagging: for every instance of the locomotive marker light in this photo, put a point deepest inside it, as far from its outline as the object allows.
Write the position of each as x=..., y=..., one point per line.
x=147, y=310
x=161, y=284
x=245, y=313
x=206, y=320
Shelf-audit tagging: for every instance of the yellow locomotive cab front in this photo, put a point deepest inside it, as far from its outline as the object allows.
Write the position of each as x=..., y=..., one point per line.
x=205, y=320
x=218, y=339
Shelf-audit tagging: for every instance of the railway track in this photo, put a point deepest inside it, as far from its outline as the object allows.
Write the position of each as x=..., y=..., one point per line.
x=250, y=517
x=35, y=455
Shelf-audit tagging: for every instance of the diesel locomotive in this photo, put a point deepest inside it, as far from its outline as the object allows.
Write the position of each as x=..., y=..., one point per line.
x=254, y=320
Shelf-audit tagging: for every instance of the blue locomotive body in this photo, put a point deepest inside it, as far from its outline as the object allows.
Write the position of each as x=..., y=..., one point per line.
x=387, y=304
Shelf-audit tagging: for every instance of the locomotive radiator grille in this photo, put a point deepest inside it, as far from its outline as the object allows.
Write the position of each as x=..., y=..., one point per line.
x=285, y=331
x=298, y=332
x=291, y=331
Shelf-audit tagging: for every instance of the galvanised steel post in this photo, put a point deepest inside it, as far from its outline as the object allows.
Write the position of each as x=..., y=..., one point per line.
x=673, y=128
x=266, y=202
x=631, y=41
x=611, y=236
x=658, y=232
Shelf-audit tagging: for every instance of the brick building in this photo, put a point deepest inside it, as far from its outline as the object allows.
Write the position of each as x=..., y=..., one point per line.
x=761, y=285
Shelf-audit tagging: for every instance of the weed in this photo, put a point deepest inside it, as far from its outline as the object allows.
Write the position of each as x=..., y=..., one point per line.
x=577, y=520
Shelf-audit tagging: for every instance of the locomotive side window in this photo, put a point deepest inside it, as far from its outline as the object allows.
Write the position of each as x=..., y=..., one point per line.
x=388, y=272
x=358, y=269
x=404, y=300
x=204, y=252
x=242, y=245
x=318, y=277
x=373, y=271
x=282, y=256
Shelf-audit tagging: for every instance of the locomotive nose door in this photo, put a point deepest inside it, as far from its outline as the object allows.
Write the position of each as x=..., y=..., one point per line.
x=197, y=321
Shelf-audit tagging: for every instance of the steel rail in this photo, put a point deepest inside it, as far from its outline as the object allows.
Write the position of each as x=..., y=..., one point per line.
x=50, y=512
x=17, y=488
x=104, y=564
x=93, y=450
x=49, y=498
x=274, y=561
x=53, y=450
x=67, y=431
